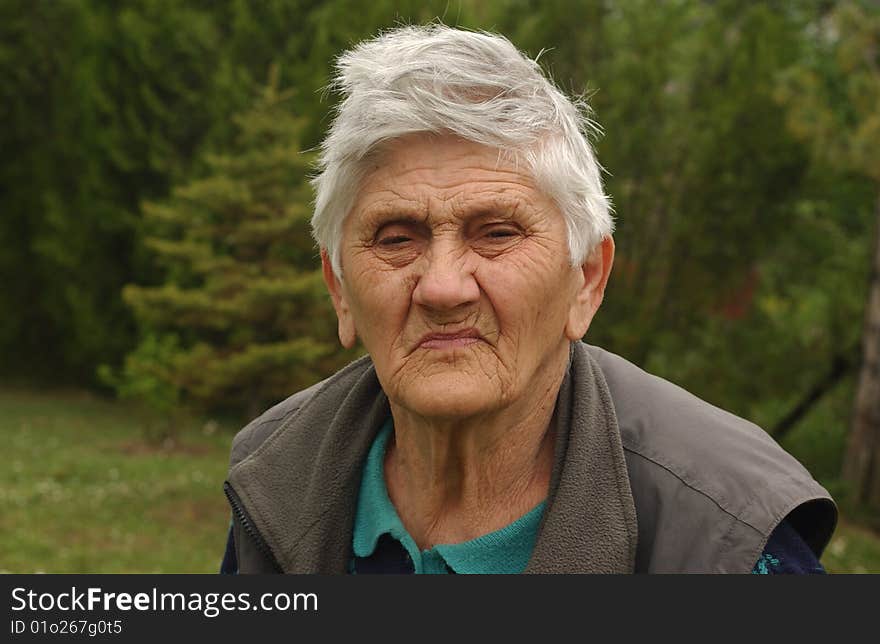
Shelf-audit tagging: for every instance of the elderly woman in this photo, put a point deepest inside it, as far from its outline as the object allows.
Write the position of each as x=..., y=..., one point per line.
x=466, y=242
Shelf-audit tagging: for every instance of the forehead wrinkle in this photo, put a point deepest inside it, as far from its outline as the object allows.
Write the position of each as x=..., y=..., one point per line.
x=459, y=175
x=443, y=172
x=462, y=191
x=395, y=205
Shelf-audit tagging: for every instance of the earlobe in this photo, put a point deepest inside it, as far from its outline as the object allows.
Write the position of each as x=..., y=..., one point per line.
x=346, y=328
x=592, y=278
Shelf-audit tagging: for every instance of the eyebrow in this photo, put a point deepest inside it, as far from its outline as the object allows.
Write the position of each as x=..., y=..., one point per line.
x=396, y=209
x=382, y=218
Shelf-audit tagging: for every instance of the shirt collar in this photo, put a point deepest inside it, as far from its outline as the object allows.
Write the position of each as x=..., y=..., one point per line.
x=506, y=550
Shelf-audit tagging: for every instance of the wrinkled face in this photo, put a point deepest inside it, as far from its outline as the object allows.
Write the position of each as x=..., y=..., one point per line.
x=456, y=278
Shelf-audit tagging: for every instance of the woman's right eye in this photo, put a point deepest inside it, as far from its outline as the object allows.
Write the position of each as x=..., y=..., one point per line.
x=389, y=241
x=396, y=234
x=398, y=244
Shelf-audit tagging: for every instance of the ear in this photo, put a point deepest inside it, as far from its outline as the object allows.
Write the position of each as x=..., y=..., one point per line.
x=347, y=333
x=591, y=280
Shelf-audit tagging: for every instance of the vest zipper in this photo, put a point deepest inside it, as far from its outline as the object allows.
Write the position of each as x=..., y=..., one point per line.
x=249, y=527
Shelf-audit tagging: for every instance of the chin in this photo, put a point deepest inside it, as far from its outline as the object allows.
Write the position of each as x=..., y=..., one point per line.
x=450, y=395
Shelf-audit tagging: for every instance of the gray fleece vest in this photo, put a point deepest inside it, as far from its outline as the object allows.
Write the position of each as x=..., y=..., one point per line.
x=647, y=478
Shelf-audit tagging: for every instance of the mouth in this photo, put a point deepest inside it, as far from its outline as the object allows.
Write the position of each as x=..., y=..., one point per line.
x=455, y=340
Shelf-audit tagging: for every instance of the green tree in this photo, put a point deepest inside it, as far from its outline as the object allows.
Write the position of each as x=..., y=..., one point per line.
x=833, y=103
x=103, y=105
x=242, y=318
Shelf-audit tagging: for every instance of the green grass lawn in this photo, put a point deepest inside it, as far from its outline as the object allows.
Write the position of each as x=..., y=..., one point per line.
x=84, y=491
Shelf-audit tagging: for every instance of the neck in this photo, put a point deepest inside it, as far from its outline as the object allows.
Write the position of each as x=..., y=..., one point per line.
x=452, y=480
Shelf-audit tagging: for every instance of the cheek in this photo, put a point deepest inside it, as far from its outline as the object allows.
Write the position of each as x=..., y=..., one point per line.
x=380, y=302
x=528, y=295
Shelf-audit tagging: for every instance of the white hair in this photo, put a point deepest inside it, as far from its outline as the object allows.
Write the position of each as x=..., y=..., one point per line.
x=477, y=86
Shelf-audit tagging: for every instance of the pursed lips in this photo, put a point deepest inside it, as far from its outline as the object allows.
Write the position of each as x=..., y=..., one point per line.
x=452, y=340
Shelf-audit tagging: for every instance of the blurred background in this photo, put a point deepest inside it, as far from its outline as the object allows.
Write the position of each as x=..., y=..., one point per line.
x=159, y=287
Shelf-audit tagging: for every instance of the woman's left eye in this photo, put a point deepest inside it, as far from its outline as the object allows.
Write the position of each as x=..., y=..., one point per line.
x=495, y=239
x=501, y=233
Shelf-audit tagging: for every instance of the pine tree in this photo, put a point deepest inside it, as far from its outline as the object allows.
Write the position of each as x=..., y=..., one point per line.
x=242, y=319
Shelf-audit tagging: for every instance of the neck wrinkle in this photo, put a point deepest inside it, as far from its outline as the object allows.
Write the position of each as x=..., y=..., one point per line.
x=452, y=481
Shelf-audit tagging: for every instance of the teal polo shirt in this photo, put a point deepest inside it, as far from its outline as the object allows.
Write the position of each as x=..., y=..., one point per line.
x=505, y=551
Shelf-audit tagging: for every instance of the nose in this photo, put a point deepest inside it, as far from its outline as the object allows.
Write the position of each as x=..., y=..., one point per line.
x=446, y=280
